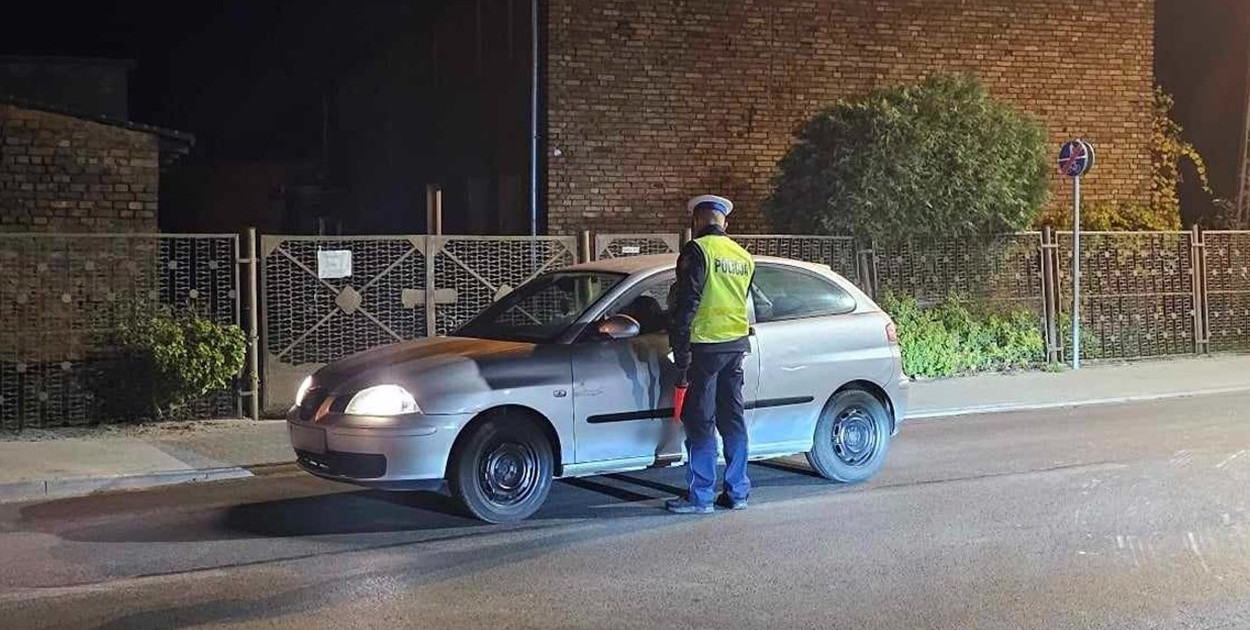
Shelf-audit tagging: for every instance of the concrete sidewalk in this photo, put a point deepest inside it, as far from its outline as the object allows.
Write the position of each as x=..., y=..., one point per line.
x=44, y=464
x=48, y=464
x=1096, y=384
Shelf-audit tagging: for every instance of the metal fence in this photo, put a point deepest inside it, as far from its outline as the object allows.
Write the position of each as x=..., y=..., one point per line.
x=62, y=294
x=618, y=245
x=396, y=288
x=839, y=252
x=1138, y=296
x=1226, y=276
x=1006, y=269
x=1145, y=294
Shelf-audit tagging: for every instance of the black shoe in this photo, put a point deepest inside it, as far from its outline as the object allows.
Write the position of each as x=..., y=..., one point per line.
x=729, y=504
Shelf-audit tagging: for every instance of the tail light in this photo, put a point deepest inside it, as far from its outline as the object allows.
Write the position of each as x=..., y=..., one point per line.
x=891, y=333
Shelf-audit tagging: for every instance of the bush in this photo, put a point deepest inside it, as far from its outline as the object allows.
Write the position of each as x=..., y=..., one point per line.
x=958, y=337
x=931, y=161
x=163, y=361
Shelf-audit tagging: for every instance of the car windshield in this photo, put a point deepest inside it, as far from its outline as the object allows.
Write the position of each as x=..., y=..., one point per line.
x=540, y=310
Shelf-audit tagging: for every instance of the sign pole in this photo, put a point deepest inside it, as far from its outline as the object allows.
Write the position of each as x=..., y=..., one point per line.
x=1076, y=158
x=1076, y=273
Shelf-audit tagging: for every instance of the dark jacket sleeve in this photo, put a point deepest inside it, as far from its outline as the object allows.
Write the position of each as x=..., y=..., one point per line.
x=690, y=278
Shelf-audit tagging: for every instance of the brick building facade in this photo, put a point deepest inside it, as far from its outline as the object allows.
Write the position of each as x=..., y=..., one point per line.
x=65, y=172
x=62, y=173
x=651, y=102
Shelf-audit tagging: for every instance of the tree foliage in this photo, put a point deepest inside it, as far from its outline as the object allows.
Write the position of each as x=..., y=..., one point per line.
x=1168, y=149
x=941, y=159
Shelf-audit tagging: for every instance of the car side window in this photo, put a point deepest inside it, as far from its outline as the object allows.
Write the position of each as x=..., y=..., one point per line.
x=649, y=303
x=782, y=293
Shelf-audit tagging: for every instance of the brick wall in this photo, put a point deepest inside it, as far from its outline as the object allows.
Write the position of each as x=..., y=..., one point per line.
x=652, y=102
x=64, y=174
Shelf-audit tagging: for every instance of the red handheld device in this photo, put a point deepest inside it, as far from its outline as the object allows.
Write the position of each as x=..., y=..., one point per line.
x=679, y=400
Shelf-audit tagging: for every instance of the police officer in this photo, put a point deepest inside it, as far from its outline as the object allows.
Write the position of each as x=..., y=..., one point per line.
x=709, y=337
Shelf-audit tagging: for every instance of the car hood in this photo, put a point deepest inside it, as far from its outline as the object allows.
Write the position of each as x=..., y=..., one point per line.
x=449, y=374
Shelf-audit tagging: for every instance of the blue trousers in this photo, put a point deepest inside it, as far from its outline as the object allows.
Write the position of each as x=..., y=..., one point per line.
x=714, y=404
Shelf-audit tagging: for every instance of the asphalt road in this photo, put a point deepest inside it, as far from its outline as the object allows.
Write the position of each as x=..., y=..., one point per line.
x=1129, y=517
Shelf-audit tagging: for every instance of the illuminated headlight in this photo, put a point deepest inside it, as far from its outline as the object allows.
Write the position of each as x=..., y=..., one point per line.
x=303, y=390
x=383, y=400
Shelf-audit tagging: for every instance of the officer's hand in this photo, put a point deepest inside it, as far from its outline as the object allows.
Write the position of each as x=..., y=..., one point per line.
x=682, y=360
x=683, y=378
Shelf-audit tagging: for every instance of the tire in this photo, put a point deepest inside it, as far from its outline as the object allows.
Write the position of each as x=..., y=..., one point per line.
x=852, y=437
x=503, y=471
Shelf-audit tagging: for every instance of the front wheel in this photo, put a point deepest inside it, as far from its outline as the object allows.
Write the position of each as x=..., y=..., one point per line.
x=852, y=437
x=503, y=472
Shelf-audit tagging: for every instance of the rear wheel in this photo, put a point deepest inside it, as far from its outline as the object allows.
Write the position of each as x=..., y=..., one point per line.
x=503, y=471
x=852, y=437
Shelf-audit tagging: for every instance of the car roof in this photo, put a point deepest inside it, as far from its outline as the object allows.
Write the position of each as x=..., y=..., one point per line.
x=631, y=265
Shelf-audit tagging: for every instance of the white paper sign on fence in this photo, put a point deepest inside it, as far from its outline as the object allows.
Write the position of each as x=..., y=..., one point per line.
x=334, y=263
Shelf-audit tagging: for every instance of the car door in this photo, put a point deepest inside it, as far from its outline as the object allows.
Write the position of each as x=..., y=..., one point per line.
x=623, y=389
x=811, y=341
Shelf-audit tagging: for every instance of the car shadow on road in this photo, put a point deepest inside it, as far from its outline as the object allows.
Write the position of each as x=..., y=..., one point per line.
x=368, y=511
x=354, y=512
x=329, y=511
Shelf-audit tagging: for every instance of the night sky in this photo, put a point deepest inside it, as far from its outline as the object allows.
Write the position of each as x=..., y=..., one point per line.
x=416, y=91
x=380, y=97
x=246, y=76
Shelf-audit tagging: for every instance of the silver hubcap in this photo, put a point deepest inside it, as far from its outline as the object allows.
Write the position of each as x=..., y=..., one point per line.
x=855, y=436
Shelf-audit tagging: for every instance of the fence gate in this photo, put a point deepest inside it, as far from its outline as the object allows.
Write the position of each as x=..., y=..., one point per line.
x=1227, y=265
x=619, y=245
x=61, y=295
x=471, y=272
x=325, y=298
x=1139, y=297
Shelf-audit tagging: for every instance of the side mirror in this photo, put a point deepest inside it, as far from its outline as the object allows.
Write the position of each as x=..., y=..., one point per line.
x=620, y=327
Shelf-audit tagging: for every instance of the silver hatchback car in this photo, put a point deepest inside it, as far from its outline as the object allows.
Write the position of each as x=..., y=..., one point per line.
x=570, y=375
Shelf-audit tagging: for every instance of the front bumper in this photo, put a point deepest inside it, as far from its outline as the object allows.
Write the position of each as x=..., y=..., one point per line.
x=404, y=453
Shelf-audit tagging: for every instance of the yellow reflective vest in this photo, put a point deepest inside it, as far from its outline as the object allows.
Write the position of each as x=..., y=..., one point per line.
x=722, y=314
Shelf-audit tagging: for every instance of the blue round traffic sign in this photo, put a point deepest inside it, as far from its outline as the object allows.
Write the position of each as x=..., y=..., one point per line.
x=1076, y=158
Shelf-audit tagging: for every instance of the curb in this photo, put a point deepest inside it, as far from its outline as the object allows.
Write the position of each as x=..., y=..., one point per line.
x=79, y=486
x=1072, y=404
